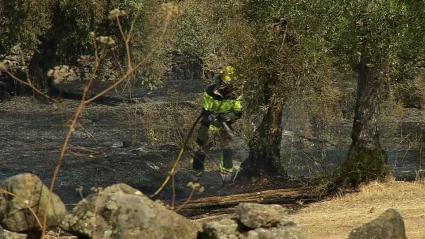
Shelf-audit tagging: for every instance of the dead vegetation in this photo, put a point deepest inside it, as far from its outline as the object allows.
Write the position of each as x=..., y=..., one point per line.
x=166, y=122
x=336, y=217
x=223, y=204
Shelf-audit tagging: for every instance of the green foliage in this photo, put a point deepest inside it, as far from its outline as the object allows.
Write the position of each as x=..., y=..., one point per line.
x=149, y=36
x=25, y=22
x=295, y=56
x=214, y=31
x=83, y=17
x=73, y=23
x=58, y=32
x=385, y=32
x=241, y=33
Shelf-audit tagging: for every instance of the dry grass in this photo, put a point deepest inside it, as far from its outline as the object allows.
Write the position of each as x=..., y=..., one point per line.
x=336, y=217
x=167, y=122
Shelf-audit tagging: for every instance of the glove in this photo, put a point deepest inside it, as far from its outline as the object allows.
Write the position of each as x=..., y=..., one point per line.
x=229, y=117
x=215, y=120
x=212, y=118
x=207, y=117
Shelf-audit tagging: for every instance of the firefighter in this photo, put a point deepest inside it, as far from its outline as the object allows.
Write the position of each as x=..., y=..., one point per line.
x=221, y=108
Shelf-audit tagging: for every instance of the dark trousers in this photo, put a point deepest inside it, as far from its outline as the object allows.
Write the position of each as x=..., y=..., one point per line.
x=202, y=140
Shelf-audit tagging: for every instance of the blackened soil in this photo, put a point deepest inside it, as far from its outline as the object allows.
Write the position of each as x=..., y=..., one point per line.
x=32, y=134
x=105, y=149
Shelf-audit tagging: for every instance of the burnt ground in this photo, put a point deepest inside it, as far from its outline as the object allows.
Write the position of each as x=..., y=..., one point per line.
x=106, y=149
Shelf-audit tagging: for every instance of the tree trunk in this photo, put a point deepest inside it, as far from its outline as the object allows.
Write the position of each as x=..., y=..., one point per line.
x=265, y=143
x=43, y=60
x=366, y=159
x=264, y=155
x=46, y=56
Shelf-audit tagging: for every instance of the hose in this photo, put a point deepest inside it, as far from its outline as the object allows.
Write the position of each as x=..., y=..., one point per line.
x=179, y=156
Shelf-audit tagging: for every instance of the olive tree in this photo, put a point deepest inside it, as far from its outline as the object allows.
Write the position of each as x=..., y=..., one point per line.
x=17, y=20
x=57, y=32
x=290, y=61
x=373, y=38
x=278, y=53
x=23, y=25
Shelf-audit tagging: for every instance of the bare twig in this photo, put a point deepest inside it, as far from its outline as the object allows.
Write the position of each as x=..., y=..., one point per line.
x=84, y=102
x=27, y=206
x=186, y=201
x=126, y=39
x=65, y=145
x=131, y=31
x=179, y=156
x=29, y=84
x=132, y=70
x=173, y=202
x=70, y=132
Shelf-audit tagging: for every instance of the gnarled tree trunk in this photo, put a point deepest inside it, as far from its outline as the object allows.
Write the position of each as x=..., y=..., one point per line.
x=366, y=159
x=264, y=154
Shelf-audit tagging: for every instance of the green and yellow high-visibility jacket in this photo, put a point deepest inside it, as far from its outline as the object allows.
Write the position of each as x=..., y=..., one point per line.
x=219, y=98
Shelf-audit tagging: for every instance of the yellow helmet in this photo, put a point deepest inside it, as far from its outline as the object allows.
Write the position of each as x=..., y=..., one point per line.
x=227, y=73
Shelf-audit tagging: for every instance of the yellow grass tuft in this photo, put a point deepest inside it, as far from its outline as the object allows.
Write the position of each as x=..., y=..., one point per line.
x=336, y=217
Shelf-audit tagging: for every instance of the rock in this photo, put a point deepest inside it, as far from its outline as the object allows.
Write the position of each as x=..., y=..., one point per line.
x=119, y=144
x=285, y=232
x=58, y=235
x=224, y=229
x=25, y=191
x=254, y=215
x=389, y=225
x=5, y=234
x=121, y=211
x=253, y=221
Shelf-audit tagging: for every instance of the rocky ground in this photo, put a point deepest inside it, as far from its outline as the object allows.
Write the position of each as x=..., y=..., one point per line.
x=120, y=211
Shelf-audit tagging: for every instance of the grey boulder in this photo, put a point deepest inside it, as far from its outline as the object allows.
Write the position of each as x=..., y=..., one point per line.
x=253, y=221
x=5, y=234
x=389, y=225
x=226, y=228
x=23, y=198
x=285, y=232
x=255, y=215
x=120, y=211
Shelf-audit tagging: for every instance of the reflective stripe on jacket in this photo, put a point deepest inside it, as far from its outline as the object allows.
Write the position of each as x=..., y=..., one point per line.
x=222, y=106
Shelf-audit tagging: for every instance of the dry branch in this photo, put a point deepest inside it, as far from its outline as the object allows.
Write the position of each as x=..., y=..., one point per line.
x=278, y=196
x=30, y=85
